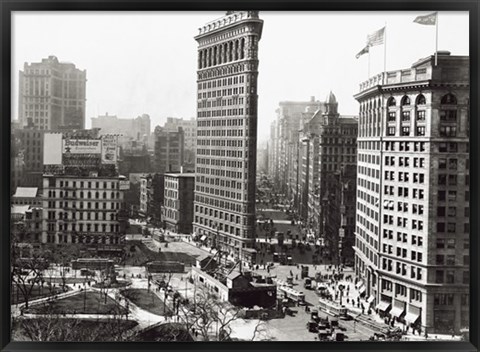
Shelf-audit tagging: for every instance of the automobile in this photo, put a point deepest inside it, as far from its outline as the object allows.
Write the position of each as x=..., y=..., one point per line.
x=322, y=325
x=324, y=334
x=308, y=283
x=334, y=323
x=314, y=315
x=339, y=336
x=312, y=326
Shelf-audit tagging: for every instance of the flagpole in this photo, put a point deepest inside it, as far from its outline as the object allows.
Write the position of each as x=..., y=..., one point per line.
x=436, y=38
x=385, y=55
x=368, y=63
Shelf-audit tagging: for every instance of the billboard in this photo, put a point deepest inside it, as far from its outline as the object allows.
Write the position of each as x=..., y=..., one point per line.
x=52, y=149
x=84, y=160
x=109, y=149
x=81, y=146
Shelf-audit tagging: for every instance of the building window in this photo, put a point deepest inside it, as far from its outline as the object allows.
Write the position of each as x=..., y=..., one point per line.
x=439, y=276
x=391, y=102
x=451, y=243
x=450, y=277
x=448, y=131
x=449, y=99
x=392, y=116
x=405, y=116
x=448, y=115
x=391, y=131
x=420, y=130
x=405, y=131
x=421, y=100
x=405, y=101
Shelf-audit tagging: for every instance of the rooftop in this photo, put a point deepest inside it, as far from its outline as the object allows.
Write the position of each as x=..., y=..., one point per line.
x=231, y=18
x=185, y=174
x=19, y=209
x=26, y=192
x=233, y=275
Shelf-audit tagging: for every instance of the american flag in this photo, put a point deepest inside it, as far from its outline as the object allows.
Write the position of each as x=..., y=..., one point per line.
x=428, y=20
x=376, y=38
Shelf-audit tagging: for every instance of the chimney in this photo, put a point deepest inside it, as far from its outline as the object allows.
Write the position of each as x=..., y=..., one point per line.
x=312, y=98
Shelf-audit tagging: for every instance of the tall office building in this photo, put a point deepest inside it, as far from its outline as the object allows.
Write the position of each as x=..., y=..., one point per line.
x=52, y=95
x=327, y=161
x=412, y=227
x=169, y=150
x=189, y=128
x=82, y=190
x=291, y=118
x=31, y=144
x=227, y=132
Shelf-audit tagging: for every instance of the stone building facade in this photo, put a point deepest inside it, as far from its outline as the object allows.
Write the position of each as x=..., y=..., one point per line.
x=412, y=227
x=177, y=210
x=52, y=95
x=227, y=131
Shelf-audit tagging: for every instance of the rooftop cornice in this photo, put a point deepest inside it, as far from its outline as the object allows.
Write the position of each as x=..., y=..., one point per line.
x=227, y=21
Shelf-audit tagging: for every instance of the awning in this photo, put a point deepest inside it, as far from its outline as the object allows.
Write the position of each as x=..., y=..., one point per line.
x=383, y=306
x=397, y=312
x=411, y=318
x=370, y=299
x=362, y=289
x=203, y=238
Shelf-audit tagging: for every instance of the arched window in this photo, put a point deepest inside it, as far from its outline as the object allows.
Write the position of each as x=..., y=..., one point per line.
x=236, y=50
x=405, y=101
x=242, y=48
x=421, y=100
x=391, y=102
x=449, y=99
x=104, y=195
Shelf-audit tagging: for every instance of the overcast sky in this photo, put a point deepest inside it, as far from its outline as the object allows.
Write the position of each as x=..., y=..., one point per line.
x=143, y=62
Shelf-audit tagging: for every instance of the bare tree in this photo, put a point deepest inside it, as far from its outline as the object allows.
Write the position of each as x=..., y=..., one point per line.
x=261, y=332
x=55, y=327
x=26, y=272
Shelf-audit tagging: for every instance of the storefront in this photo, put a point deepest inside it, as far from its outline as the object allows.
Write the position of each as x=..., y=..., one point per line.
x=398, y=311
x=383, y=308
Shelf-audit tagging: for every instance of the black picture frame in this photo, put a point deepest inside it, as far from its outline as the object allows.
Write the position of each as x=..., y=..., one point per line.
x=8, y=6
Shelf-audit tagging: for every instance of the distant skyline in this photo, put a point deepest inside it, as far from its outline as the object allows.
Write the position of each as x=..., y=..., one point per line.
x=146, y=62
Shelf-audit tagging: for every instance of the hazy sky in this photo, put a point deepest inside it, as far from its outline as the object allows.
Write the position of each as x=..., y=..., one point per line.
x=145, y=62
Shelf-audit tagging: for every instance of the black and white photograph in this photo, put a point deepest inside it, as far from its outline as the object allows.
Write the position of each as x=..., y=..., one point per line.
x=194, y=176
